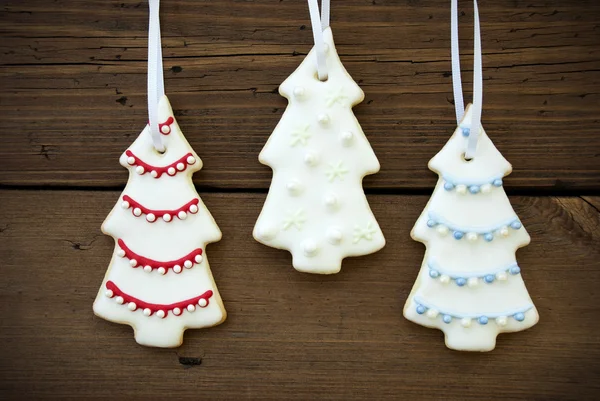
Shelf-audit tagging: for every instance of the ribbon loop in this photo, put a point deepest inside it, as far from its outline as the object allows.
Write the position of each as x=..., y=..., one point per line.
x=156, y=85
x=320, y=22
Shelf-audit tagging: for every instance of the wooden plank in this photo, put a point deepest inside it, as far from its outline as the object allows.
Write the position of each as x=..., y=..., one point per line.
x=72, y=86
x=289, y=335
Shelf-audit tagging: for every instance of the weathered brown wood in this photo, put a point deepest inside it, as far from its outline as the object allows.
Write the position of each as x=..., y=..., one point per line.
x=72, y=85
x=289, y=335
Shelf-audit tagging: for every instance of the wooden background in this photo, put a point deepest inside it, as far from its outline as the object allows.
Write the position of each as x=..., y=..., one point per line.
x=72, y=99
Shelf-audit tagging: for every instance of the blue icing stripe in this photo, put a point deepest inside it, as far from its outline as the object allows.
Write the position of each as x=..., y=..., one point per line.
x=482, y=318
x=458, y=232
x=460, y=278
x=473, y=186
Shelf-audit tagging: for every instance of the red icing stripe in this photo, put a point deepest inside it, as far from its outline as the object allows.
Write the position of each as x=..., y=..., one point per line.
x=160, y=170
x=160, y=213
x=182, y=305
x=155, y=264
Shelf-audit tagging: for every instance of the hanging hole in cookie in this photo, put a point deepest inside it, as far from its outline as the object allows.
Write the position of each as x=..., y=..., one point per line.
x=465, y=159
x=161, y=152
x=321, y=80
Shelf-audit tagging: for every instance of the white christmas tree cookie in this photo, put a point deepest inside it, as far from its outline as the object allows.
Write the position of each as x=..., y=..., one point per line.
x=316, y=207
x=159, y=281
x=470, y=285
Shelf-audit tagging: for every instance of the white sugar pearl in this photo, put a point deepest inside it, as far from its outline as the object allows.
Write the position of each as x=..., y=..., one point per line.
x=132, y=306
x=119, y=300
x=311, y=159
x=177, y=269
x=299, y=92
x=154, y=174
x=191, y=160
x=171, y=171
x=331, y=201
x=465, y=322
x=188, y=264
x=182, y=215
x=167, y=217
x=162, y=270
x=461, y=189
x=109, y=293
x=147, y=312
x=198, y=258
x=133, y=262
x=473, y=282
x=160, y=314
x=121, y=253
x=310, y=247
x=180, y=166
x=432, y=313
x=347, y=138
x=486, y=188
x=140, y=170
x=177, y=311
x=150, y=217
x=504, y=232
x=191, y=308
x=334, y=235
x=502, y=276
x=148, y=269
x=325, y=48
x=442, y=230
x=294, y=187
x=501, y=321
x=165, y=129
x=193, y=209
x=202, y=302
x=323, y=119
x=125, y=205
x=471, y=237
x=137, y=212
x=131, y=160
x=444, y=279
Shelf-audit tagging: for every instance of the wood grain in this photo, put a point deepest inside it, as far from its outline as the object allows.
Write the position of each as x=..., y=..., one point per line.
x=289, y=335
x=72, y=85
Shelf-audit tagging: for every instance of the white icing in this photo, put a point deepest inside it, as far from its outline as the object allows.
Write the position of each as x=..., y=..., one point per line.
x=471, y=257
x=162, y=242
x=319, y=144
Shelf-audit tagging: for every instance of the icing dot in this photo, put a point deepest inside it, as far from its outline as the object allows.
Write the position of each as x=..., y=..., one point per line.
x=434, y=273
x=132, y=306
x=140, y=170
x=489, y=237
x=516, y=225
x=431, y=223
x=198, y=258
x=202, y=302
x=442, y=230
x=473, y=282
x=119, y=300
x=310, y=159
x=471, y=237
x=466, y=132
x=519, y=316
x=193, y=209
x=167, y=217
x=448, y=186
x=444, y=279
x=497, y=183
x=515, y=270
x=125, y=205
x=486, y=188
x=323, y=119
x=109, y=293
x=162, y=270
x=121, y=253
x=504, y=231
x=501, y=276
x=489, y=278
x=335, y=236
x=465, y=322
x=299, y=92
x=310, y=247
x=165, y=129
x=154, y=174
x=326, y=48
x=147, y=312
x=147, y=269
x=160, y=314
x=177, y=311
x=177, y=269
x=137, y=212
x=150, y=217
x=171, y=171
x=458, y=235
x=461, y=281
x=501, y=321
x=188, y=264
x=191, y=160
x=447, y=318
x=294, y=187
x=432, y=313
x=182, y=215
x=191, y=308
x=131, y=160
x=347, y=138
x=331, y=201
x=421, y=309
x=483, y=320
x=461, y=189
x=474, y=189
x=133, y=262
x=180, y=166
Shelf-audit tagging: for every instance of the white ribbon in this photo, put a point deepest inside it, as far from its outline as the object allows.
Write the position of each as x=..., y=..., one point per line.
x=475, y=123
x=156, y=84
x=319, y=24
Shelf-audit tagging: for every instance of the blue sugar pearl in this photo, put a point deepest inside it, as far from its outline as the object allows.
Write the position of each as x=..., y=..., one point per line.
x=421, y=309
x=519, y=316
x=434, y=273
x=461, y=281
x=431, y=223
x=483, y=320
x=516, y=225
x=489, y=278
x=448, y=186
x=489, y=237
x=474, y=189
x=497, y=183
x=458, y=235
x=466, y=132
x=515, y=270
x=447, y=319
